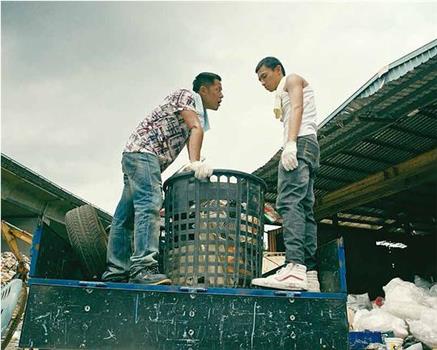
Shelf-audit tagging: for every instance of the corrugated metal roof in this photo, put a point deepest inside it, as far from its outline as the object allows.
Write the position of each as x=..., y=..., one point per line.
x=386, y=75
x=396, y=102
x=25, y=180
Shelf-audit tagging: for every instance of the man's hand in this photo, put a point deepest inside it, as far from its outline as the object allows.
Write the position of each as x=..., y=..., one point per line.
x=289, y=156
x=201, y=169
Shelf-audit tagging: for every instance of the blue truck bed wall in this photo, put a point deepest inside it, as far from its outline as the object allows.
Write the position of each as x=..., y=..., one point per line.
x=64, y=312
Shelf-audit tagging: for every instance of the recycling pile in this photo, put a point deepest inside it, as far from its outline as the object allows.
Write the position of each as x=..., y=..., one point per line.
x=9, y=266
x=408, y=310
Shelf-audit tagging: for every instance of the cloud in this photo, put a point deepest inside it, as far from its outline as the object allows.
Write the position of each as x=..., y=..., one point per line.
x=77, y=77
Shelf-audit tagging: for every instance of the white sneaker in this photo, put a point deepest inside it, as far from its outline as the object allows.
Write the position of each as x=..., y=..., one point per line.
x=290, y=277
x=313, y=282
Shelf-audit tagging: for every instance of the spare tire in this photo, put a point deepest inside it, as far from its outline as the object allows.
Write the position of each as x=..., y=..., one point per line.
x=88, y=240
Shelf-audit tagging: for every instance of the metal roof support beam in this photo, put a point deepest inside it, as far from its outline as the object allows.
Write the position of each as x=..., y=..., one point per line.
x=363, y=210
x=413, y=132
x=428, y=114
x=374, y=117
x=392, y=180
x=17, y=180
x=404, y=85
x=389, y=145
x=362, y=156
x=343, y=166
x=333, y=178
x=46, y=209
x=426, y=91
x=326, y=186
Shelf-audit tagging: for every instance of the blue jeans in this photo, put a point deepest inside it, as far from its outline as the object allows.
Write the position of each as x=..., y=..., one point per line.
x=295, y=203
x=137, y=213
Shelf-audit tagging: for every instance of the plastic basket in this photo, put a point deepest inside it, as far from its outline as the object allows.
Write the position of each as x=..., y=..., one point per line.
x=214, y=229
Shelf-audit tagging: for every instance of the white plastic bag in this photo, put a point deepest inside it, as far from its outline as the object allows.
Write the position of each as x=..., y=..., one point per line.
x=359, y=301
x=431, y=302
x=405, y=300
x=425, y=329
x=379, y=320
x=350, y=317
x=433, y=290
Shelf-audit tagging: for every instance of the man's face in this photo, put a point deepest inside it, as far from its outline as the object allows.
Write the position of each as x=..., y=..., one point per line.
x=270, y=78
x=212, y=95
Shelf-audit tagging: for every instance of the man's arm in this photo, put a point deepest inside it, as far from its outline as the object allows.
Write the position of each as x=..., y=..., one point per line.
x=294, y=88
x=200, y=168
x=194, y=144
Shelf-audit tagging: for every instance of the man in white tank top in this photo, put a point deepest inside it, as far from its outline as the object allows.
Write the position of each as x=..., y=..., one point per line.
x=294, y=105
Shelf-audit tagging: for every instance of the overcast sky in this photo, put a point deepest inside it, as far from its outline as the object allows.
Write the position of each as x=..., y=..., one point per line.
x=78, y=77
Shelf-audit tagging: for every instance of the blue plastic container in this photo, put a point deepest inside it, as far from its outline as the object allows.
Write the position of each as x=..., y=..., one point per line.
x=359, y=340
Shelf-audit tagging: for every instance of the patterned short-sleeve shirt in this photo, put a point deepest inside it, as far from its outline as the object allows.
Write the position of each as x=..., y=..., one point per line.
x=163, y=132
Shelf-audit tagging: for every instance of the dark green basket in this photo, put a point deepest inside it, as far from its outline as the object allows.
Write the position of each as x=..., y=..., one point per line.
x=214, y=229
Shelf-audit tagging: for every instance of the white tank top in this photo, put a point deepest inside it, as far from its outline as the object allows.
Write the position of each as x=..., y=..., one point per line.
x=309, y=115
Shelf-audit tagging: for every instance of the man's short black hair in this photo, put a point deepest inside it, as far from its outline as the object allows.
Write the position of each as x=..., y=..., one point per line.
x=269, y=62
x=205, y=79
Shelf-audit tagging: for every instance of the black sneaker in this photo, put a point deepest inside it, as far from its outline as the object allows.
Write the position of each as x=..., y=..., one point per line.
x=150, y=275
x=117, y=279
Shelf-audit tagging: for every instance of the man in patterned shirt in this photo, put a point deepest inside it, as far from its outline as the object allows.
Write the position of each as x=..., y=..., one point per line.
x=154, y=144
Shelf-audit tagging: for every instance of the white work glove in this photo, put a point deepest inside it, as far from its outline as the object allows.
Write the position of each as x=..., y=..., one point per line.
x=289, y=156
x=201, y=169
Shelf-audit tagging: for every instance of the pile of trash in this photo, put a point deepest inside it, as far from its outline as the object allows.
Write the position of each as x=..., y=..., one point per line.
x=409, y=311
x=9, y=266
x=271, y=215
